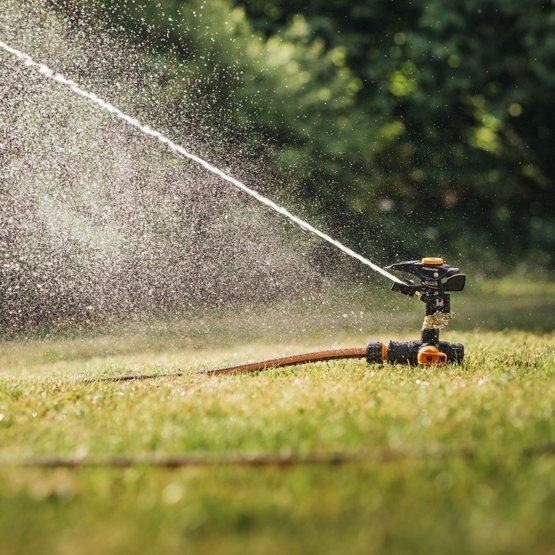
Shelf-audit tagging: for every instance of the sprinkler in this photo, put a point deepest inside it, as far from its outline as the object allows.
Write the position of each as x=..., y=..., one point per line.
x=436, y=281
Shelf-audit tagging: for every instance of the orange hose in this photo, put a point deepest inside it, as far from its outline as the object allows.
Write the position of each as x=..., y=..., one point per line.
x=335, y=354
x=292, y=360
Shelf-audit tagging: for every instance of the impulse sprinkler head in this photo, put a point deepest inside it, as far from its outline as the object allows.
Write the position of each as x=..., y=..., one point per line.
x=437, y=279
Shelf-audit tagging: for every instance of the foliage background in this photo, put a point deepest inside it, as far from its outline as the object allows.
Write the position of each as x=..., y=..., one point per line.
x=425, y=126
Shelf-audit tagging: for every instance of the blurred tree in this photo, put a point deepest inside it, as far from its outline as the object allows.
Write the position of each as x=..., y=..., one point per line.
x=458, y=96
x=429, y=125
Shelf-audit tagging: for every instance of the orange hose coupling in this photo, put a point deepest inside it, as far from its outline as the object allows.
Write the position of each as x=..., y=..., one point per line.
x=429, y=355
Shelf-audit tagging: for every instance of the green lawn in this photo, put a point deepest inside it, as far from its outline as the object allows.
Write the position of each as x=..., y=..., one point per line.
x=462, y=479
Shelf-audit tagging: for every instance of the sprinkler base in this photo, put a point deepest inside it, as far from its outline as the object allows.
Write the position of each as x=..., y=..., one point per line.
x=415, y=352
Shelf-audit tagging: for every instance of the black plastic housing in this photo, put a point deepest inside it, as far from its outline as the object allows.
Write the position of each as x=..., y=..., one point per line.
x=406, y=352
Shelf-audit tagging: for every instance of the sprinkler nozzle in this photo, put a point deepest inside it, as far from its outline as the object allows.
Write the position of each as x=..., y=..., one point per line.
x=437, y=279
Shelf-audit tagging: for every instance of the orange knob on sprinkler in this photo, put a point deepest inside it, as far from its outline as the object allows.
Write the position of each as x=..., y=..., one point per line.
x=437, y=281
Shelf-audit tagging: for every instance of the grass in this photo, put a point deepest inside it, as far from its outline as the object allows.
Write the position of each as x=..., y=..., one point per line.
x=491, y=498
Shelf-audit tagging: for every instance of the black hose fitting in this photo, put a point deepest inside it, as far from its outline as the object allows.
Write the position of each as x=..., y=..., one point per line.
x=414, y=352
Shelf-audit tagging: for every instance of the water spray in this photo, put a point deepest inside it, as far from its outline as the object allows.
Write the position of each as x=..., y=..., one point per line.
x=437, y=279
x=178, y=149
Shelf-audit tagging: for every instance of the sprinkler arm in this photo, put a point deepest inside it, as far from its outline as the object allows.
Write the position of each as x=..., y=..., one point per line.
x=409, y=288
x=437, y=279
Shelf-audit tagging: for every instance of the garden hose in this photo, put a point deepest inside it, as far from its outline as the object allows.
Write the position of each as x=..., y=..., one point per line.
x=293, y=360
